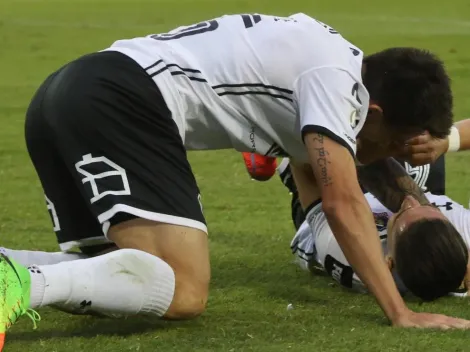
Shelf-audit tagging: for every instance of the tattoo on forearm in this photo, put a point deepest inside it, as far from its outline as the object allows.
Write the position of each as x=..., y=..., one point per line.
x=322, y=160
x=389, y=182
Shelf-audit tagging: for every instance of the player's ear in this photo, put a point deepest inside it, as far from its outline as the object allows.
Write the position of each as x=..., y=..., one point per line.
x=373, y=128
x=375, y=112
x=374, y=115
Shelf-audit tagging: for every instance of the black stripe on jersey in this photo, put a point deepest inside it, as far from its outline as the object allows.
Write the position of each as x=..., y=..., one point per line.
x=254, y=92
x=250, y=20
x=178, y=73
x=184, y=69
x=326, y=132
x=271, y=148
x=297, y=249
x=355, y=51
x=293, y=246
x=153, y=65
x=253, y=85
x=247, y=21
x=166, y=67
x=156, y=73
x=276, y=150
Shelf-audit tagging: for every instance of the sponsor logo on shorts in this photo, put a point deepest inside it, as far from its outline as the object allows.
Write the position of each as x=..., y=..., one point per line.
x=352, y=140
x=53, y=213
x=252, y=140
x=200, y=202
x=103, y=176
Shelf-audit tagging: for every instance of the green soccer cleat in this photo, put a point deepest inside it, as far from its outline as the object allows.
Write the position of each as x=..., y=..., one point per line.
x=15, y=288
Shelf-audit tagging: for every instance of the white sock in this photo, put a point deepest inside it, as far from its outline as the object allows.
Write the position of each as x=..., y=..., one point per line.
x=121, y=283
x=28, y=258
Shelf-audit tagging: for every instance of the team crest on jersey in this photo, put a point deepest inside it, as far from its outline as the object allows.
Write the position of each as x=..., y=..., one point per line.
x=419, y=174
x=354, y=119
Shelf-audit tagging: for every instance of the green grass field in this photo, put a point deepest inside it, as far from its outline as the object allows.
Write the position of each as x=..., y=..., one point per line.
x=249, y=222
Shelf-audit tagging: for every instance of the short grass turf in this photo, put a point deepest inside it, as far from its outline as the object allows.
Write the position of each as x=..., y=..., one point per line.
x=250, y=229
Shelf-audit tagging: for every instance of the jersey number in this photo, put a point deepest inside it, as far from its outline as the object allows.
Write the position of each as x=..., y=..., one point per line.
x=203, y=27
x=339, y=272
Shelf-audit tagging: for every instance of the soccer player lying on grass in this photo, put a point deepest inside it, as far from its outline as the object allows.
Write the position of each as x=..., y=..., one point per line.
x=108, y=135
x=430, y=262
x=424, y=263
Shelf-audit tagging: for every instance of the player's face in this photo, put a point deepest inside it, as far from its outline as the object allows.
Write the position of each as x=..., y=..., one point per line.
x=411, y=211
x=378, y=140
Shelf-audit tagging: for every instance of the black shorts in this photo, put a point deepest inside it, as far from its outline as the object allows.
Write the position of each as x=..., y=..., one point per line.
x=107, y=150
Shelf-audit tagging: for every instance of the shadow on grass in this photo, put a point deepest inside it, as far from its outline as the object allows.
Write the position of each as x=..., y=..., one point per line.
x=273, y=279
x=90, y=327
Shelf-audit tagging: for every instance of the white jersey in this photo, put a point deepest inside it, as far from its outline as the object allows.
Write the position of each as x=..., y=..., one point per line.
x=321, y=248
x=256, y=82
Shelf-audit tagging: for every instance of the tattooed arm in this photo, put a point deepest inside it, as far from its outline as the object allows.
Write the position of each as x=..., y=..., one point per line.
x=388, y=181
x=334, y=179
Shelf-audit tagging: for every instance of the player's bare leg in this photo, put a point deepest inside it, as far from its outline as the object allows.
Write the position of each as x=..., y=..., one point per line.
x=160, y=270
x=184, y=249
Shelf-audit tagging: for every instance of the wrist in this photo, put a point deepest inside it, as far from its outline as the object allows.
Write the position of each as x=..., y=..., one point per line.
x=453, y=140
x=399, y=315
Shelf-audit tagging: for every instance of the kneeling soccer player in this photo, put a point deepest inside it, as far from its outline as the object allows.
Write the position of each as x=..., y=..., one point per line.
x=108, y=135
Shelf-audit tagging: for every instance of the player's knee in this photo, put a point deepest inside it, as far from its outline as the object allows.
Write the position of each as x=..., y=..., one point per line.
x=183, y=249
x=189, y=300
x=188, y=308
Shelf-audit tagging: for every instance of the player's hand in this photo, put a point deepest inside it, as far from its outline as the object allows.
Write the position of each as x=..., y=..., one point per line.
x=430, y=321
x=422, y=149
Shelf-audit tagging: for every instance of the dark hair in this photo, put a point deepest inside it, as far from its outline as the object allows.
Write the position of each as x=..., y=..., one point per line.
x=431, y=258
x=413, y=89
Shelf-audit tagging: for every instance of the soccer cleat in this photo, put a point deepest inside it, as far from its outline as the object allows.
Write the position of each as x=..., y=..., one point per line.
x=260, y=167
x=15, y=288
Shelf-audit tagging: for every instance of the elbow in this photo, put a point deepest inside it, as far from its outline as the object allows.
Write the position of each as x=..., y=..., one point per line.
x=337, y=207
x=331, y=208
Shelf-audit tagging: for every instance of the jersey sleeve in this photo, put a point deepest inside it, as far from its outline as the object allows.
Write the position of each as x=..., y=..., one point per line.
x=331, y=102
x=457, y=214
